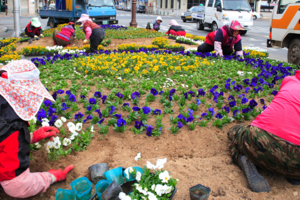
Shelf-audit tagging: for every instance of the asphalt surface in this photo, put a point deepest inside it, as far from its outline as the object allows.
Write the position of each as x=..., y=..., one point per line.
x=256, y=37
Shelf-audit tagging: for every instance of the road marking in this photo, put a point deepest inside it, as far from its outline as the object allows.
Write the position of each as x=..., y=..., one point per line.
x=258, y=35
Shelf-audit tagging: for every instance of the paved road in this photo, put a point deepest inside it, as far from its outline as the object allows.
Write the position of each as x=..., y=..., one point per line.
x=254, y=38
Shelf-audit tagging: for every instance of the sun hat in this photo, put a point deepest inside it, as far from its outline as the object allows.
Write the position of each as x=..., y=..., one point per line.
x=235, y=25
x=22, y=88
x=174, y=22
x=35, y=22
x=83, y=18
x=159, y=18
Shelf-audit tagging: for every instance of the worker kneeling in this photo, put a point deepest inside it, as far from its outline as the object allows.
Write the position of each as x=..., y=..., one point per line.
x=223, y=40
x=66, y=36
x=272, y=141
x=21, y=95
x=34, y=29
x=175, y=29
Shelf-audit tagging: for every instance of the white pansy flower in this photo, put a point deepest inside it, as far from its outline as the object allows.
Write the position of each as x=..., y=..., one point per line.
x=66, y=142
x=138, y=176
x=138, y=156
x=128, y=171
x=48, y=146
x=152, y=196
x=92, y=129
x=45, y=120
x=164, y=176
x=45, y=124
x=121, y=195
x=56, y=142
x=63, y=119
x=58, y=123
x=168, y=189
x=159, y=189
x=78, y=126
x=150, y=165
x=70, y=124
x=37, y=145
x=140, y=189
x=153, y=187
x=160, y=163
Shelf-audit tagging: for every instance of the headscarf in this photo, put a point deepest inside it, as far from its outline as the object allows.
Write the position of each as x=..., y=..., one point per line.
x=83, y=18
x=233, y=26
x=174, y=22
x=22, y=88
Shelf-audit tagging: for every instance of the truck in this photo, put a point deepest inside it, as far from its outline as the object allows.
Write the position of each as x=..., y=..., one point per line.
x=285, y=29
x=218, y=13
x=100, y=11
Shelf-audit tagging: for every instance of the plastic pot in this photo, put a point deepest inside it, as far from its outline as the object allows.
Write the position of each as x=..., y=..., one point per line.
x=112, y=191
x=101, y=187
x=62, y=194
x=115, y=174
x=82, y=187
x=97, y=172
x=199, y=192
x=132, y=178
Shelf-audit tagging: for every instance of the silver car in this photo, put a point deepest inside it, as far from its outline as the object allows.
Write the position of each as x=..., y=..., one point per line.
x=187, y=16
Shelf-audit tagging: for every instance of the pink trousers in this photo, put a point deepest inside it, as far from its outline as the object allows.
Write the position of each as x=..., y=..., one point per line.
x=27, y=184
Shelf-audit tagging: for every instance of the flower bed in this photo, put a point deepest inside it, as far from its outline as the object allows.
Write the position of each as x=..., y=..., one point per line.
x=185, y=40
x=113, y=32
x=188, y=88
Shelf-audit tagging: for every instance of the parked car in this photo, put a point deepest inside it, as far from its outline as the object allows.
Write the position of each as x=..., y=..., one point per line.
x=141, y=9
x=187, y=16
x=128, y=8
x=264, y=5
x=117, y=7
x=121, y=7
x=256, y=15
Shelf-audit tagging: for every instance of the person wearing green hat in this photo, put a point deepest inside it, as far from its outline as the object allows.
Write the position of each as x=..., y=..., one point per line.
x=34, y=29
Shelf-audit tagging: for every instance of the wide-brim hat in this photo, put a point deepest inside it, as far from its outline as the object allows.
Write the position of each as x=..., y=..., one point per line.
x=22, y=88
x=35, y=22
x=83, y=18
x=159, y=18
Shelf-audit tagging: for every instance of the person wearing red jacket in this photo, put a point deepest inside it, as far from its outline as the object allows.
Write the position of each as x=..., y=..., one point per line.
x=34, y=29
x=66, y=36
x=175, y=29
x=21, y=95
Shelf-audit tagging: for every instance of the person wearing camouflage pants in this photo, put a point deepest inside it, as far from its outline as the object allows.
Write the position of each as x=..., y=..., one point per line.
x=272, y=141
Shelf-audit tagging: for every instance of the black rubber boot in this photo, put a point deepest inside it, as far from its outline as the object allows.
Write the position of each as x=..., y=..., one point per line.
x=293, y=181
x=255, y=180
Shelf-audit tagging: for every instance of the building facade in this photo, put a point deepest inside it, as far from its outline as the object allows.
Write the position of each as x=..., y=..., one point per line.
x=27, y=7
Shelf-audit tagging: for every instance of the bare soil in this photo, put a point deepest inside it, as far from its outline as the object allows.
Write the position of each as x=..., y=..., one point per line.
x=113, y=45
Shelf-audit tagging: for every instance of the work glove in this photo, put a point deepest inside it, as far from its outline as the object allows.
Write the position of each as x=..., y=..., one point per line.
x=36, y=36
x=41, y=35
x=59, y=174
x=44, y=132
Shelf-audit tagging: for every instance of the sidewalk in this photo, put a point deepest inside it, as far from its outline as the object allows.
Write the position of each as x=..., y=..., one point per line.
x=2, y=14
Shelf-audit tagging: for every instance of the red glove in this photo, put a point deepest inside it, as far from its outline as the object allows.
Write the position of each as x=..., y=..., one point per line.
x=44, y=132
x=59, y=174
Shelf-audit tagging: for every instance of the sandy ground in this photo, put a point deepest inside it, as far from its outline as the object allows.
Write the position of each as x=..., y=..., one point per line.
x=113, y=45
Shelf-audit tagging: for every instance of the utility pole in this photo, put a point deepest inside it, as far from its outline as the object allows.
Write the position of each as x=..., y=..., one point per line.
x=133, y=14
x=16, y=11
x=177, y=8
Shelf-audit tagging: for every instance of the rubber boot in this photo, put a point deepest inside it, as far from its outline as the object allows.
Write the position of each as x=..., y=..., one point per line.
x=293, y=181
x=256, y=181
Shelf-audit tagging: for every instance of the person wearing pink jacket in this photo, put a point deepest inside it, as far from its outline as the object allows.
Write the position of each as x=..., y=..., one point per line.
x=272, y=141
x=93, y=32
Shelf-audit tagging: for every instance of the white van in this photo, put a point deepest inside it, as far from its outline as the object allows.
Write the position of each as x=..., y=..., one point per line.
x=217, y=13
